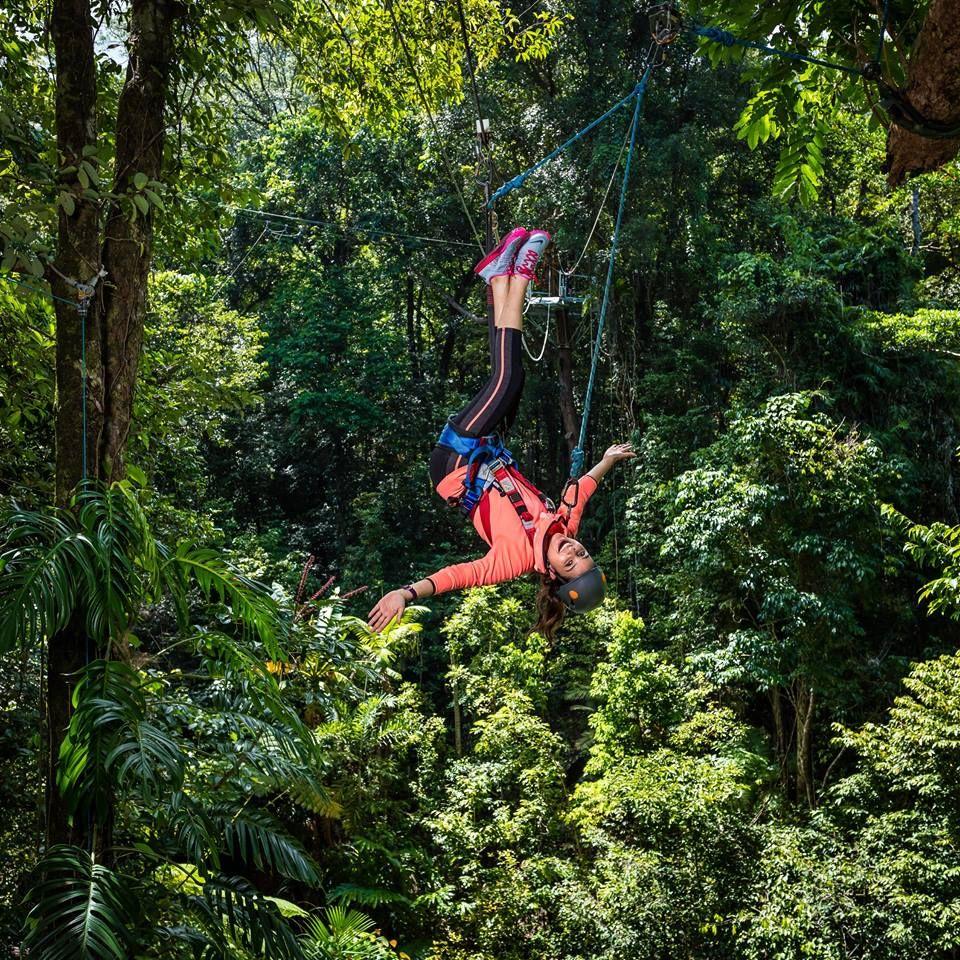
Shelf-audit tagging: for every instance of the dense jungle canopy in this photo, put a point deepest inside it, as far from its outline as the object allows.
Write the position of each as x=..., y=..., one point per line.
x=237, y=303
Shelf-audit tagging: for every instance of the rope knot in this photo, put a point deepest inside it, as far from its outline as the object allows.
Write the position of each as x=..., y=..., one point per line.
x=576, y=462
x=719, y=35
x=513, y=184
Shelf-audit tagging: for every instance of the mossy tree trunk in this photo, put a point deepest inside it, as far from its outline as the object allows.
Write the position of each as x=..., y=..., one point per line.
x=107, y=347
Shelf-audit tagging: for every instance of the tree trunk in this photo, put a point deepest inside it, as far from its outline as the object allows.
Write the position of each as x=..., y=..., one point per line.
x=780, y=732
x=78, y=249
x=803, y=699
x=933, y=89
x=128, y=248
x=457, y=720
x=915, y=220
x=412, y=329
x=78, y=348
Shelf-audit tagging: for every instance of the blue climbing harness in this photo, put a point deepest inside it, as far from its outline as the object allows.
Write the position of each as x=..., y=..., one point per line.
x=491, y=464
x=480, y=452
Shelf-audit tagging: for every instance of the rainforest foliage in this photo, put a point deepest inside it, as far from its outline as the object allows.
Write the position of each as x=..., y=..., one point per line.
x=751, y=751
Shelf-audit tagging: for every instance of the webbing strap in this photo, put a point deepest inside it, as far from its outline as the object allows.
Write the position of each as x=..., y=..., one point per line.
x=505, y=481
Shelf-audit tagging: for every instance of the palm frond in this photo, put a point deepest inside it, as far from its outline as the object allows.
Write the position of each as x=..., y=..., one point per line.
x=98, y=555
x=339, y=930
x=366, y=896
x=44, y=564
x=125, y=552
x=81, y=910
x=186, y=825
x=110, y=743
x=253, y=608
x=229, y=907
x=258, y=838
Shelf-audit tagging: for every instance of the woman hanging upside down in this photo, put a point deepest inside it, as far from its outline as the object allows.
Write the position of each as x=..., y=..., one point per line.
x=472, y=469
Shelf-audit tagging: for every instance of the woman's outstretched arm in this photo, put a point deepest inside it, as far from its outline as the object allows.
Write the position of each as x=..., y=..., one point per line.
x=584, y=488
x=391, y=605
x=614, y=454
x=498, y=564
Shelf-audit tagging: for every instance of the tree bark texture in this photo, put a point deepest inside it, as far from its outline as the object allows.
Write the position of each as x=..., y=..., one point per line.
x=804, y=700
x=933, y=89
x=78, y=247
x=127, y=250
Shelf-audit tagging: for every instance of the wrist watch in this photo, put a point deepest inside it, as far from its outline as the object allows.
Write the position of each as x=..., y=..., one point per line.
x=413, y=593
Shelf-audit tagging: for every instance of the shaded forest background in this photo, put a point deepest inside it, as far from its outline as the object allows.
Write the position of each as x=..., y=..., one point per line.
x=751, y=751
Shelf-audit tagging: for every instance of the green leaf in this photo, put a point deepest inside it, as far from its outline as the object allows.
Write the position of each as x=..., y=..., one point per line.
x=91, y=171
x=68, y=203
x=154, y=198
x=286, y=908
x=142, y=205
x=140, y=180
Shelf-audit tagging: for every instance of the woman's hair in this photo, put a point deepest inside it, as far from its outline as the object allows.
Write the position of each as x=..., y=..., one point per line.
x=550, y=609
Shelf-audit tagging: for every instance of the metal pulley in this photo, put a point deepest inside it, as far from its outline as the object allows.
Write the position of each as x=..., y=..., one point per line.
x=665, y=22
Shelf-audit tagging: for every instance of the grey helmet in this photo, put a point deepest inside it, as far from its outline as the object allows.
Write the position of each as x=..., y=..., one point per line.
x=585, y=592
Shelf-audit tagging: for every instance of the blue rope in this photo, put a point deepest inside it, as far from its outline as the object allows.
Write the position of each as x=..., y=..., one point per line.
x=40, y=290
x=576, y=458
x=83, y=391
x=725, y=37
x=883, y=30
x=519, y=180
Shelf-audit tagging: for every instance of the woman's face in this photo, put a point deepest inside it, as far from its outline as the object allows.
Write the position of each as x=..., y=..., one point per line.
x=567, y=557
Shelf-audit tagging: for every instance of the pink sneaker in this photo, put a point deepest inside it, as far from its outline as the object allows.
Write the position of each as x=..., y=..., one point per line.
x=528, y=256
x=499, y=261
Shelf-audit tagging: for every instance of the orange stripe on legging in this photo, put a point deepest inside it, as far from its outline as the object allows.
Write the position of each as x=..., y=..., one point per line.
x=503, y=370
x=503, y=366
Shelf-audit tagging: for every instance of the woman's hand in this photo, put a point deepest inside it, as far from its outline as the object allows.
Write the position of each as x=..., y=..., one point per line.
x=390, y=607
x=620, y=451
x=614, y=454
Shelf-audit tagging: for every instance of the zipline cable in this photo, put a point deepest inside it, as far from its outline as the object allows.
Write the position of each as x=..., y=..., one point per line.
x=40, y=290
x=883, y=30
x=473, y=80
x=339, y=226
x=603, y=203
x=576, y=458
x=521, y=178
x=243, y=260
x=728, y=39
x=543, y=346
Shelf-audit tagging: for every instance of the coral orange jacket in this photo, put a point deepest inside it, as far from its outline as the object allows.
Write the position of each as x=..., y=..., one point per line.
x=511, y=552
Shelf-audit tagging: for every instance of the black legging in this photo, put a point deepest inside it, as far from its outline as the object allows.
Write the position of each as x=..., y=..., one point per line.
x=495, y=404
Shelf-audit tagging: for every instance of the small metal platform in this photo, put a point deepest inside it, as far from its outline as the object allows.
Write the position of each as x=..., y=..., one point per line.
x=563, y=290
